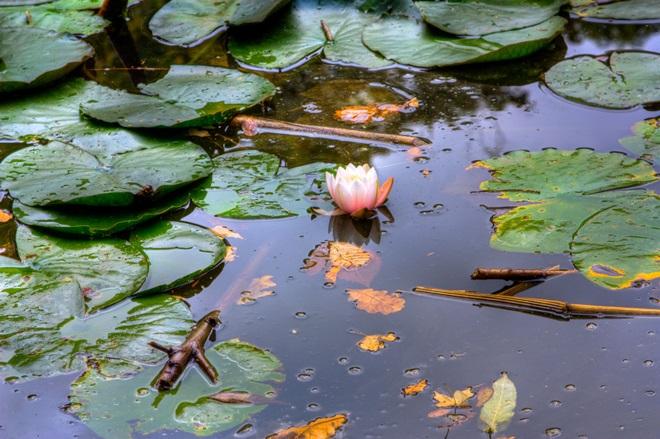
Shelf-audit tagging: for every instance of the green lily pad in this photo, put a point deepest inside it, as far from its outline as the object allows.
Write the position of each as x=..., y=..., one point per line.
x=620, y=10
x=94, y=171
x=295, y=36
x=22, y=56
x=410, y=42
x=106, y=270
x=185, y=22
x=646, y=141
x=480, y=17
x=66, y=16
x=42, y=332
x=83, y=221
x=169, y=243
x=567, y=189
x=620, y=246
x=116, y=407
x=57, y=4
x=188, y=96
x=630, y=79
x=253, y=185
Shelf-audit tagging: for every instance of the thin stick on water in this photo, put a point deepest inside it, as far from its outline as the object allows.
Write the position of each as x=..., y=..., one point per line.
x=518, y=273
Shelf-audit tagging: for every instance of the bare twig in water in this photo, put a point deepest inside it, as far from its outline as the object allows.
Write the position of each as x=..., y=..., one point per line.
x=327, y=32
x=518, y=273
x=557, y=307
x=516, y=288
x=129, y=69
x=252, y=125
x=191, y=349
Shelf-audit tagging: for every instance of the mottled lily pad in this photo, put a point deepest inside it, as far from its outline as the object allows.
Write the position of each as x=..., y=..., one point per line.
x=118, y=407
x=23, y=60
x=480, y=17
x=293, y=37
x=619, y=9
x=410, y=42
x=646, y=141
x=85, y=221
x=91, y=170
x=253, y=185
x=186, y=22
x=188, y=96
x=629, y=79
x=66, y=16
x=178, y=252
x=620, y=245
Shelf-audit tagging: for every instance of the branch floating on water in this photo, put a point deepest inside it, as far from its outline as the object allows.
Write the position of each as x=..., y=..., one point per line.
x=518, y=273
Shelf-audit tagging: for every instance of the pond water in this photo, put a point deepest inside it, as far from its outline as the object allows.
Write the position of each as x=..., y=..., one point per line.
x=578, y=378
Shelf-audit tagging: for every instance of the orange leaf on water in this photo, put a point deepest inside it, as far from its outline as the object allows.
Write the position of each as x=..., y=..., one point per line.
x=376, y=301
x=336, y=256
x=320, y=428
x=5, y=216
x=416, y=388
x=376, y=342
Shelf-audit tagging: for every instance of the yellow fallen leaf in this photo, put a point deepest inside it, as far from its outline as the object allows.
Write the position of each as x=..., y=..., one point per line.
x=225, y=232
x=416, y=388
x=258, y=288
x=337, y=256
x=5, y=216
x=364, y=114
x=459, y=399
x=376, y=301
x=320, y=428
x=376, y=342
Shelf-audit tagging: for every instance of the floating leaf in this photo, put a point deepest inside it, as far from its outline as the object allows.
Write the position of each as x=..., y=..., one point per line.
x=22, y=60
x=497, y=412
x=185, y=22
x=106, y=270
x=460, y=399
x=335, y=256
x=646, y=140
x=629, y=79
x=43, y=327
x=120, y=406
x=483, y=395
x=620, y=9
x=480, y=17
x=376, y=301
x=620, y=245
x=73, y=220
x=365, y=114
x=410, y=42
x=225, y=232
x=252, y=185
x=187, y=96
x=167, y=244
x=258, y=288
x=66, y=16
x=376, y=342
x=296, y=35
x=415, y=388
x=88, y=174
x=5, y=216
x=319, y=428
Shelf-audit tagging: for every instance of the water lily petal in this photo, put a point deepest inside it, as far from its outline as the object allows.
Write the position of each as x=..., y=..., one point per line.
x=384, y=191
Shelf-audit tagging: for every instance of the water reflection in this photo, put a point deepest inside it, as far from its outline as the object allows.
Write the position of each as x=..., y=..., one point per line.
x=355, y=231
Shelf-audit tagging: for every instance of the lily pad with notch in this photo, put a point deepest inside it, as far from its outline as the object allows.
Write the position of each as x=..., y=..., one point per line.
x=619, y=9
x=646, y=139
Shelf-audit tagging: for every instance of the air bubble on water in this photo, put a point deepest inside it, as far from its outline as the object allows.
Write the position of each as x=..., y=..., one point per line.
x=555, y=403
x=245, y=429
x=591, y=326
x=312, y=407
x=301, y=315
x=570, y=387
x=553, y=432
x=329, y=285
x=342, y=360
x=649, y=393
x=32, y=396
x=526, y=410
x=141, y=391
x=412, y=372
x=648, y=363
x=355, y=370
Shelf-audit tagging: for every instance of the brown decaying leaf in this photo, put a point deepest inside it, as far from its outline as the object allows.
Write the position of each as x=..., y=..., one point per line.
x=320, y=428
x=483, y=395
x=415, y=388
x=230, y=255
x=337, y=256
x=365, y=114
x=376, y=342
x=259, y=287
x=459, y=399
x=376, y=301
x=225, y=232
x=5, y=216
x=232, y=397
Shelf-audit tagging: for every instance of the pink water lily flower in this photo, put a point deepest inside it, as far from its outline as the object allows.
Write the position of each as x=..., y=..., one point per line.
x=356, y=190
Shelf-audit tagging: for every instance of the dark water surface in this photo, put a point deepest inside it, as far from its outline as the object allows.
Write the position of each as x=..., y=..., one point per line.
x=594, y=379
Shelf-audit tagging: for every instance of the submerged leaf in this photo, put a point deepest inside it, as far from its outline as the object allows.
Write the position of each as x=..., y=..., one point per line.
x=376, y=342
x=319, y=428
x=497, y=412
x=365, y=114
x=258, y=288
x=646, y=141
x=376, y=301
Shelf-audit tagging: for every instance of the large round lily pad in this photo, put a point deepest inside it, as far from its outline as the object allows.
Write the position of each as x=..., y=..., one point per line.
x=620, y=245
x=252, y=185
x=66, y=16
x=296, y=35
x=646, y=141
x=186, y=22
x=31, y=57
x=480, y=17
x=410, y=42
x=629, y=79
x=86, y=221
x=168, y=244
x=85, y=172
x=107, y=270
x=188, y=96
x=620, y=9
x=116, y=407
